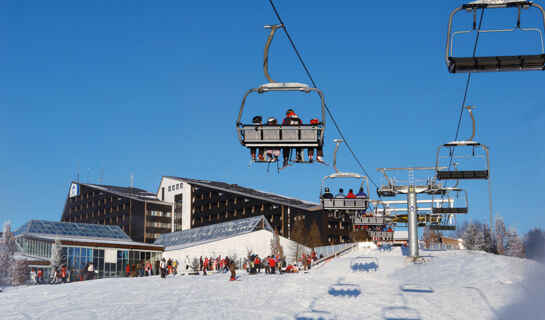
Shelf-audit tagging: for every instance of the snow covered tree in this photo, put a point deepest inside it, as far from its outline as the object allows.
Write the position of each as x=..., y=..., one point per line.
x=19, y=272
x=489, y=241
x=470, y=235
x=7, y=250
x=56, y=254
x=276, y=247
x=534, y=245
x=515, y=246
x=500, y=235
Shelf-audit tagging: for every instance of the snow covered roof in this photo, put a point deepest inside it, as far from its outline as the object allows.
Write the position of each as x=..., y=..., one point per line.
x=71, y=229
x=132, y=193
x=214, y=232
x=267, y=196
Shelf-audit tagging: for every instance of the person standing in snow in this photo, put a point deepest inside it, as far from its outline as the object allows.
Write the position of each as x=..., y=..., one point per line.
x=232, y=269
x=128, y=270
x=40, y=276
x=272, y=264
x=163, y=266
x=204, y=266
x=32, y=276
x=157, y=266
x=90, y=271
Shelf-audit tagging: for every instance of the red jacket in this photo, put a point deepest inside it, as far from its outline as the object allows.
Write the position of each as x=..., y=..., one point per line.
x=128, y=269
x=351, y=195
x=272, y=262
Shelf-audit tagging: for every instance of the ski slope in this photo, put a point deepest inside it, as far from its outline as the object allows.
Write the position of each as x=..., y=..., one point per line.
x=363, y=284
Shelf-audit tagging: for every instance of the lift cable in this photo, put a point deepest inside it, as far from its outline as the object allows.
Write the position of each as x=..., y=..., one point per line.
x=314, y=84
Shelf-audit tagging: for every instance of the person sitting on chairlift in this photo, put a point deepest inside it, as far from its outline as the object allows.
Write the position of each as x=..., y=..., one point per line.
x=340, y=194
x=257, y=121
x=319, y=152
x=327, y=194
x=291, y=119
x=350, y=194
x=361, y=194
x=272, y=154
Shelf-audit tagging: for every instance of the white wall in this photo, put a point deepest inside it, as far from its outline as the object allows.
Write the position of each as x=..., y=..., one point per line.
x=177, y=187
x=258, y=241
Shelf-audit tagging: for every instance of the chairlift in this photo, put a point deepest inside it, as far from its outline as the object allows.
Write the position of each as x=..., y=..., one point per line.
x=455, y=204
x=381, y=235
x=478, y=151
x=280, y=136
x=344, y=204
x=494, y=63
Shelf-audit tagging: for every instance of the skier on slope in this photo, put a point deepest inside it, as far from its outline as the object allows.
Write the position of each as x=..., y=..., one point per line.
x=233, y=272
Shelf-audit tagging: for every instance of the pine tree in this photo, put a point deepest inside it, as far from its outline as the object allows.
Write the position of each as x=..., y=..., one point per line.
x=515, y=247
x=470, y=234
x=489, y=240
x=7, y=250
x=56, y=254
x=276, y=248
x=19, y=272
x=500, y=235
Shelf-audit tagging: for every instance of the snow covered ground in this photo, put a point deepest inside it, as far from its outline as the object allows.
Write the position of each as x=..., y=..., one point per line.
x=363, y=284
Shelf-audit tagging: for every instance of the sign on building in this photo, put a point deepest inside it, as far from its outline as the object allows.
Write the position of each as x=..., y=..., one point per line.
x=74, y=190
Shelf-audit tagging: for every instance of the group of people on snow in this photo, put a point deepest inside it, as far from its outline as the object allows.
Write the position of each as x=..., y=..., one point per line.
x=272, y=154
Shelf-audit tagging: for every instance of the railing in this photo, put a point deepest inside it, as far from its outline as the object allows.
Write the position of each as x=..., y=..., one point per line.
x=333, y=251
x=439, y=247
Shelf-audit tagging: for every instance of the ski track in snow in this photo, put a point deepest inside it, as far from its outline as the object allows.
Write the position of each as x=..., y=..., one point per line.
x=363, y=284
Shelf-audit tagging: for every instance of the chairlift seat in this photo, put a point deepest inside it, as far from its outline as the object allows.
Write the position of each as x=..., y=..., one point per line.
x=439, y=227
x=281, y=136
x=462, y=174
x=496, y=63
x=462, y=210
x=383, y=235
x=370, y=221
x=345, y=204
x=386, y=192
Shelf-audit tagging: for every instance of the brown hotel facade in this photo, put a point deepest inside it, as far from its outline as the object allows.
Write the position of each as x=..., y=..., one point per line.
x=183, y=203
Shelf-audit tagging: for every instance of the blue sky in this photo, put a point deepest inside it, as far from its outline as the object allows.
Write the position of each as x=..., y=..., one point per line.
x=153, y=89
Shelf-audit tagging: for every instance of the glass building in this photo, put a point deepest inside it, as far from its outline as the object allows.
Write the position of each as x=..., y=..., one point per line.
x=107, y=247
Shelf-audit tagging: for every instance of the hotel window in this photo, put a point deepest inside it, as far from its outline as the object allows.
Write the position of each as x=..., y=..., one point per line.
x=168, y=188
x=177, y=186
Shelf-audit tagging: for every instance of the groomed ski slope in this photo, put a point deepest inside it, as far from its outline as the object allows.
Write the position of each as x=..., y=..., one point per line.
x=363, y=284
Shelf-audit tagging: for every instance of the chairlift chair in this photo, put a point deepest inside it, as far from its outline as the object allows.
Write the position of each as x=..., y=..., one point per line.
x=452, y=172
x=457, y=204
x=344, y=204
x=280, y=136
x=494, y=63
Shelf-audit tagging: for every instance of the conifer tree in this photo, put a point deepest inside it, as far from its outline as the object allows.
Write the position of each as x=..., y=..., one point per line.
x=514, y=247
x=56, y=254
x=500, y=235
x=469, y=236
x=7, y=250
x=19, y=272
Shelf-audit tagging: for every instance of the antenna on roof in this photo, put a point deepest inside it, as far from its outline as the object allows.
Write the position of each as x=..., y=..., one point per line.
x=77, y=177
x=88, y=172
x=132, y=180
x=101, y=172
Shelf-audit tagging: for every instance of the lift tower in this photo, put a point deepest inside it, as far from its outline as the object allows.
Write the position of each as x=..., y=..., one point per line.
x=411, y=188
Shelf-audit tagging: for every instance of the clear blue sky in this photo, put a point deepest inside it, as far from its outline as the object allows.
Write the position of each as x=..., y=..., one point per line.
x=154, y=89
